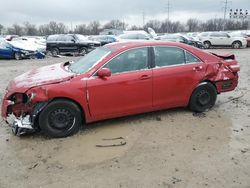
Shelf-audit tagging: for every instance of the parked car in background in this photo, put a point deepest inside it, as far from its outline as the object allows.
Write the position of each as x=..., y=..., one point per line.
x=10, y=37
x=241, y=34
x=104, y=39
x=134, y=35
x=182, y=38
x=16, y=50
x=31, y=43
x=116, y=80
x=222, y=39
x=70, y=44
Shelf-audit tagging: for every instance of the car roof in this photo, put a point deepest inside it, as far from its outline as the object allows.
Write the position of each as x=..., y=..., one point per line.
x=146, y=43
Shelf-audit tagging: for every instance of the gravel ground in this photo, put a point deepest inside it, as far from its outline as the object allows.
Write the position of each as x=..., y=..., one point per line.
x=171, y=148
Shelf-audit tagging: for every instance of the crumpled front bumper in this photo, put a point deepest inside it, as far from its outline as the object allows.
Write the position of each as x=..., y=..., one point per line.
x=5, y=104
x=22, y=126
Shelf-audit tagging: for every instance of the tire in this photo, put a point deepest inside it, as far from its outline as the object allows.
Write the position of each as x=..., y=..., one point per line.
x=54, y=52
x=17, y=56
x=203, y=97
x=207, y=44
x=83, y=51
x=236, y=45
x=60, y=118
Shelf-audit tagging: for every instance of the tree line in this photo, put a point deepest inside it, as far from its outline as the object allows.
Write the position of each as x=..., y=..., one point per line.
x=94, y=27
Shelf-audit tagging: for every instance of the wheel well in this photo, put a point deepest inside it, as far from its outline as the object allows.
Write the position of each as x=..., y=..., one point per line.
x=206, y=41
x=209, y=81
x=237, y=41
x=71, y=100
x=81, y=47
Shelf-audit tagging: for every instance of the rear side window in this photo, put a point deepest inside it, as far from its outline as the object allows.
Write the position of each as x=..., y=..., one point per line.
x=167, y=56
x=132, y=60
x=190, y=58
x=52, y=38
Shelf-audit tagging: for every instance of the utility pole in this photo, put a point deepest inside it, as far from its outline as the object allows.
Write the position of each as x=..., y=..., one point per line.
x=168, y=20
x=143, y=18
x=168, y=7
x=225, y=12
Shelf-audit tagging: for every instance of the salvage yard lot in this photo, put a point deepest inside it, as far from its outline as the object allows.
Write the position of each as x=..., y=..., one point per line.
x=170, y=148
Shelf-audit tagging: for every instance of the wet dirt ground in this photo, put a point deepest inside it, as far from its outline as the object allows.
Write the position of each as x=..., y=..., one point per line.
x=171, y=148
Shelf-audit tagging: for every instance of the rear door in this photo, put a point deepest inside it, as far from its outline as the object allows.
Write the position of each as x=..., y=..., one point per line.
x=177, y=72
x=127, y=91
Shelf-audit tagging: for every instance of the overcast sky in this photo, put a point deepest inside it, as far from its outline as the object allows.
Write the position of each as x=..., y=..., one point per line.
x=130, y=11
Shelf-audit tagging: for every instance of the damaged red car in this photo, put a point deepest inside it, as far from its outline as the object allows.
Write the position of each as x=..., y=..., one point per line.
x=116, y=80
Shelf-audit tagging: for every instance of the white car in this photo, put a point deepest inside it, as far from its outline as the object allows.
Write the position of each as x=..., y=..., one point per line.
x=134, y=36
x=222, y=39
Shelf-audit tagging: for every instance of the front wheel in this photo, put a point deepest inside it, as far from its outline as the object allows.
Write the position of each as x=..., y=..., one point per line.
x=83, y=51
x=61, y=118
x=207, y=44
x=203, y=98
x=18, y=56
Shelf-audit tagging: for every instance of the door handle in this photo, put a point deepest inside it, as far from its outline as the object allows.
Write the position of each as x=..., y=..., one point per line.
x=198, y=68
x=144, y=77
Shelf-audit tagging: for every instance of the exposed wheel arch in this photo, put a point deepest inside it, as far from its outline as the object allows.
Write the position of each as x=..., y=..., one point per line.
x=208, y=81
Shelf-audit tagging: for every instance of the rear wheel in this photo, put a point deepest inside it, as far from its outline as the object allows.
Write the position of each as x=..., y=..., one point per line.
x=54, y=52
x=236, y=45
x=17, y=56
x=61, y=118
x=207, y=44
x=203, y=98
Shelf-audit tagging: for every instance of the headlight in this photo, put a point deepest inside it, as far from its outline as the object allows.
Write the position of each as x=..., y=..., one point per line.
x=25, y=52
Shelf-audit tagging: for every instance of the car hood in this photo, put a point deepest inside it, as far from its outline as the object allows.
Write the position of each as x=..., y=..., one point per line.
x=38, y=77
x=23, y=45
x=89, y=41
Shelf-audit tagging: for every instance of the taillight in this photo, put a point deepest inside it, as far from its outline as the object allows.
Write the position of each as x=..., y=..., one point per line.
x=234, y=68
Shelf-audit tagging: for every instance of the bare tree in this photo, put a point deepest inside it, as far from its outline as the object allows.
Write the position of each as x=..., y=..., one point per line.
x=15, y=30
x=115, y=24
x=94, y=27
x=1, y=28
x=192, y=25
x=154, y=24
x=81, y=29
x=30, y=29
x=52, y=28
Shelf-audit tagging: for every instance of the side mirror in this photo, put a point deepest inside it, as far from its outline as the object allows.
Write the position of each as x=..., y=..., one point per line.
x=73, y=40
x=104, y=72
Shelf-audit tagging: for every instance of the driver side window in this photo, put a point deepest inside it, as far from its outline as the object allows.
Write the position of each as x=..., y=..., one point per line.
x=132, y=60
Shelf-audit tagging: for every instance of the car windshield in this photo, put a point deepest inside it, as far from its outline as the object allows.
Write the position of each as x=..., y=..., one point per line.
x=81, y=37
x=88, y=61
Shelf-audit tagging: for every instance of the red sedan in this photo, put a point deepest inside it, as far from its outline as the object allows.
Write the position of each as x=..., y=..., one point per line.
x=116, y=80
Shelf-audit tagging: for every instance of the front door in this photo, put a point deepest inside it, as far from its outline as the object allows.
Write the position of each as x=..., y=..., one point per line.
x=127, y=91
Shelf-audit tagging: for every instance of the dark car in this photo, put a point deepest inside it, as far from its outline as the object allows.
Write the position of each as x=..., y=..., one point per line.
x=69, y=44
x=183, y=39
x=104, y=39
x=17, y=51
